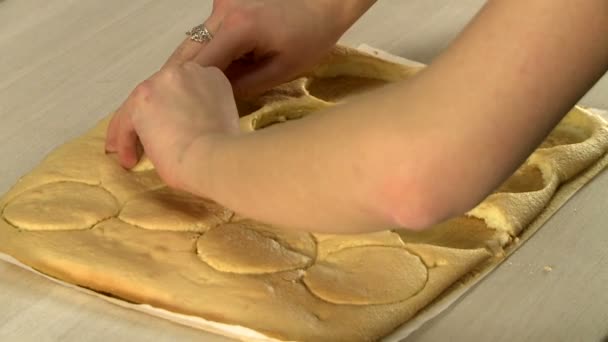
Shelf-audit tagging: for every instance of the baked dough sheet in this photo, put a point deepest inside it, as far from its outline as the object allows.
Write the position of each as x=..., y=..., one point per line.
x=80, y=220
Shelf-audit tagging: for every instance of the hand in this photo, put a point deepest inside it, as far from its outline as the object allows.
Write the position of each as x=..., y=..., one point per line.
x=279, y=39
x=168, y=113
x=263, y=43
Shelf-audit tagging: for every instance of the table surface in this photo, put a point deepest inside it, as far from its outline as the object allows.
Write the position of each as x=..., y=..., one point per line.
x=66, y=63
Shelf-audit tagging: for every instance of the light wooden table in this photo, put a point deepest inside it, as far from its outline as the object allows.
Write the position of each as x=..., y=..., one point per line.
x=66, y=63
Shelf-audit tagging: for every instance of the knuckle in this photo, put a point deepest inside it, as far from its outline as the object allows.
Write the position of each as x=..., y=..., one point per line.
x=135, y=120
x=191, y=66
x=172, y=73
x=143, y=90
x=243, y=18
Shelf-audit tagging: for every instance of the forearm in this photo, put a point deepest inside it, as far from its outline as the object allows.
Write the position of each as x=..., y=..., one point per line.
x=419, y=152
x=319, y=173
x=356, y=167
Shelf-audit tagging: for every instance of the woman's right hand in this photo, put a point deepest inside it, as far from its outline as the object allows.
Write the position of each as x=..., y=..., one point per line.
x=263, y=43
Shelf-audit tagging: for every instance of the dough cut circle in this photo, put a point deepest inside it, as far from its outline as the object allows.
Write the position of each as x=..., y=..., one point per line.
x=367, y=276
x=61, y=206
x=237, y=248
x=166, y=209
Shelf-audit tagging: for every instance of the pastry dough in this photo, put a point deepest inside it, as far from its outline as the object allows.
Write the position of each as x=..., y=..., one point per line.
x=352, y=275
x=80, y=218
x=61, y=206
x=247, y=247
x=164, y=209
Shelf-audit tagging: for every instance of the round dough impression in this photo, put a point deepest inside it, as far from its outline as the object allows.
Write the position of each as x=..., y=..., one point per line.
x=367, y=275
x=166, y=209
x=61, y=206
x=251, y=248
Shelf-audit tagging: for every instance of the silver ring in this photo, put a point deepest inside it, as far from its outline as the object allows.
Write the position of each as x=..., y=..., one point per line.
x=200, y=34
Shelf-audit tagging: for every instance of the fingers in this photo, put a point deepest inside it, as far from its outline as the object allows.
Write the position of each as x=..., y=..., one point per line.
x=229, y=44
x=188, y=49
x=112, y=134
x=265, y=76
x=127, y=143
x=122, y=136
x=184, y=52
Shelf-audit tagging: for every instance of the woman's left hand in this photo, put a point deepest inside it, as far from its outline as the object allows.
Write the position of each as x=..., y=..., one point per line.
x=168, y=113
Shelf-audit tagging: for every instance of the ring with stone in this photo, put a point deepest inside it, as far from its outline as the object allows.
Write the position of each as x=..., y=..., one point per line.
x=200, y=34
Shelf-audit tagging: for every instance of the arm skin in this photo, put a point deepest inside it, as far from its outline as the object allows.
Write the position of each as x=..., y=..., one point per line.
x=416, y=153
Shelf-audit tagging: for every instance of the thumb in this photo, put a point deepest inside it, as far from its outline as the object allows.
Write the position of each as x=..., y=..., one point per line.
x=228, y=45
x=272, y=72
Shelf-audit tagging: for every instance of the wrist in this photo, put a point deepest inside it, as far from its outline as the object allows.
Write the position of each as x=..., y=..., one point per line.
x=195, y=174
